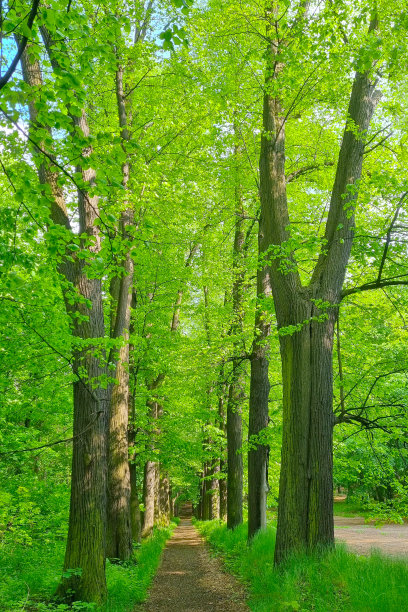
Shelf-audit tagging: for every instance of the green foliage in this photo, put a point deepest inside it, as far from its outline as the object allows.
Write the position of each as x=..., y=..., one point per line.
x=338, y=581
x=193, y=89
x=29, y=575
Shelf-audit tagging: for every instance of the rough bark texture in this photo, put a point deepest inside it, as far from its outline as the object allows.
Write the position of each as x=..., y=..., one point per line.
x=235, y=459
x=222, y=483
x=215, y=493
x=258, y=452
x=157, y=494
x=87, y=520
x=119, y=529
x=135, y=515
x=151, y=471
x=305, y=518
x=164, y=500
x=149, y=488
x=237, y=385
x=258, y=401
x=206, y=495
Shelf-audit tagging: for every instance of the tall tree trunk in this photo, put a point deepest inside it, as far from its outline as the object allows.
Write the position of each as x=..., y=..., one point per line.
x=87, y=519
x=119, y=529
x=306, y=317
x=205, y=495
x=237, y=386
x=222, y=483
x=215, y=497
x=135, y=515
x=151, y=470
x=258, y=421
x=164, y=500
x=306, y=486
x=235, y=459
x=157, y=494
x=149, y=489
x=258, y=399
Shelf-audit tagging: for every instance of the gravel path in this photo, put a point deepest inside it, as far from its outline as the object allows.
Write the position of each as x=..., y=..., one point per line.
x=190, y=580
x=361, y=538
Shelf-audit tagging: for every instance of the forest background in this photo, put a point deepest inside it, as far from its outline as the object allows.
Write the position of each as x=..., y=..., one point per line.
x=133, y=261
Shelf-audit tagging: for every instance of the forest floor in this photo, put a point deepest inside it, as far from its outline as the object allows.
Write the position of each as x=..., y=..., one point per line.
x=361, y=538
x=191, y=580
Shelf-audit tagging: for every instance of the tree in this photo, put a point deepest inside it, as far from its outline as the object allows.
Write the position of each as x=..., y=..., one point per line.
x=306, y=315
x=83, y=299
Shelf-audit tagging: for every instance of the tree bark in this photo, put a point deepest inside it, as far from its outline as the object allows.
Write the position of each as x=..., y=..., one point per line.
x=237, y=385
x=306, y=317
x=215, y=493
x=258, y=400
x=87, y=519
x=258, y=421
x=119, y=528
x=149, y=489
x=135, y=515
x=234, y=441
x=151, y=471
x=164, y=500
x=222, y=483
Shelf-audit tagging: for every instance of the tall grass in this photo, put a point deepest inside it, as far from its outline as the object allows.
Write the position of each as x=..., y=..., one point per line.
x=128, y=584
x=29, y=576
x=337, y=581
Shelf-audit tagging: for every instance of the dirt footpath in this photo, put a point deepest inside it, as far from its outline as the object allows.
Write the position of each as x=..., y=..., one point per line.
x=361, y=538
x=190, y=580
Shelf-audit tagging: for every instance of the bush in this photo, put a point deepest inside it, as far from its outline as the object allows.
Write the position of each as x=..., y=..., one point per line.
x=29, y=576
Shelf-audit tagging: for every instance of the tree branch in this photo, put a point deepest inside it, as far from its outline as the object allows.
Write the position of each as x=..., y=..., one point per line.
x=305, y=170
x=377, y=284
x=21, y=47
x=49, y=444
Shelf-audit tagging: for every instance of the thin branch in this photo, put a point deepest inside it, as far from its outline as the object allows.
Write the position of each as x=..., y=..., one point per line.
x=49, y=444
x=377, y=284
x=21, y=47
x=59, y=166
x=379, y=143
x=389, y=232
x=305, y=170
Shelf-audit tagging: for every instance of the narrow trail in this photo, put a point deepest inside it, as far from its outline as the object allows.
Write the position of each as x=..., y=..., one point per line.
x=190, y=580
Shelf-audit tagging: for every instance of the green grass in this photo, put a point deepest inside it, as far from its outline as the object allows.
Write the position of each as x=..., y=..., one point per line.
x=350, y=509
x=128, y=584
x=28, y=572
x=337, y=581
x=29, y=575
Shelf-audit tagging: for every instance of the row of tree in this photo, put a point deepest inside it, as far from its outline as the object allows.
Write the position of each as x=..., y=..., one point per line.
x=182, y=182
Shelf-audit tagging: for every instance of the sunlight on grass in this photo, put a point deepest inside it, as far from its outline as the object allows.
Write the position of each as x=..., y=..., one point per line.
x=338, y=581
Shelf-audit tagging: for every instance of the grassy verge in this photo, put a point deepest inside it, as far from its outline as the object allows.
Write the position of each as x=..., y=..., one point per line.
x=128, y=584
x=338, y=581
x=350, y=509
x=29, y=576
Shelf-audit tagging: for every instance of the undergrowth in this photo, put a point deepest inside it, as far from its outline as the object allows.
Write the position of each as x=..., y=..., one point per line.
x=29, y=576
x=338, y=581
x=379, y=513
